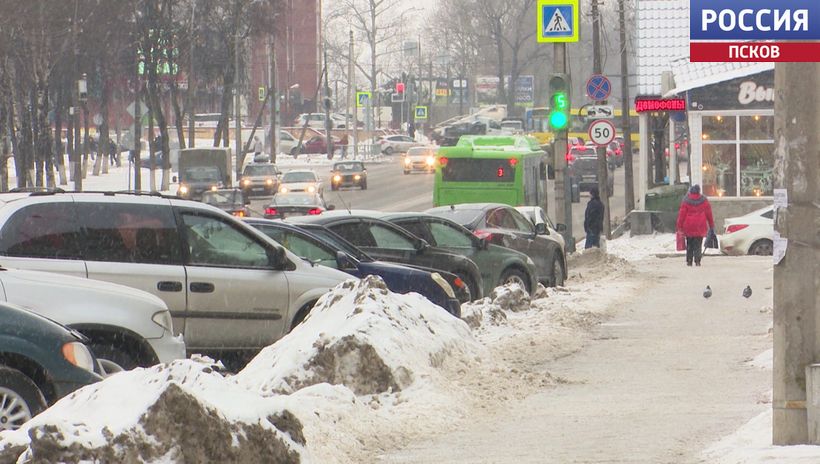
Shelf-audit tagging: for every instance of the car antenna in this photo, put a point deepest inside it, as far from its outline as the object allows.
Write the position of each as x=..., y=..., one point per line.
x=347, y=207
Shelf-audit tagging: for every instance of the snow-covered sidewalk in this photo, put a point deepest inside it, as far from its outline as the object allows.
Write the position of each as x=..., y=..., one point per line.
x=660, y=381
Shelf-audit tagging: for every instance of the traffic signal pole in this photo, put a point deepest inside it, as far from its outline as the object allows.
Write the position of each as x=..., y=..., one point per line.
x=603, y=165
x=563, y=195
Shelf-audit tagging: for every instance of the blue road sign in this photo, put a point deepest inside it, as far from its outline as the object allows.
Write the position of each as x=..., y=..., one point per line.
x=557, y=20
x=598, y=87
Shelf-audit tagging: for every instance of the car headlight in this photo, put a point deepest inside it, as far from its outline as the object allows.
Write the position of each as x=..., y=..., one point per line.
x=437, y=278
x=283, y=190
x=357, y=177
x=268, y=181
x=79, y=355
x=408, y=161
x=431, y=161
x=214, y=188
x=246, y=182
x=164, y=320
x=311, y=189
x=337, y=178
x=183, y=189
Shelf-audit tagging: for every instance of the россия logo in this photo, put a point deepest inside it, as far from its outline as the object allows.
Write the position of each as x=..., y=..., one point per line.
x=754, y=30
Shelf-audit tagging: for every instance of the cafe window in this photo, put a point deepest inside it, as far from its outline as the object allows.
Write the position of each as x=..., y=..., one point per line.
x=738, y=155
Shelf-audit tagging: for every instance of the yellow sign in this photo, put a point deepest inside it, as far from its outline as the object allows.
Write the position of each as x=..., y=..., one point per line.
x=557, y=20
x=421, y=112
x=261, y=94
x=362, y=99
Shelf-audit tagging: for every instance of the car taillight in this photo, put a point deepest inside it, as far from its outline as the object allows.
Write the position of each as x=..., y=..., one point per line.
x=270, y=212
x=459, y=283
x=483, y=234
x=314, y=211
x=569, y=158
x=442, y=161
x=736, y=227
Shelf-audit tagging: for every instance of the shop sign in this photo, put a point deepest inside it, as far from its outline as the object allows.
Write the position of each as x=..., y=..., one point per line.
x=643, y=105
x=751, y=92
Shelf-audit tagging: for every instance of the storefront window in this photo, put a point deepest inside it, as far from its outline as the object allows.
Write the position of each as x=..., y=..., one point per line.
x=719, y=170
x=717, y=128
x=756, y=164
x=756, y=127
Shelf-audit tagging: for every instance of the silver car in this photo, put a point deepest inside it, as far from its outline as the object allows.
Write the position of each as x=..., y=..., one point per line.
x=391, y=144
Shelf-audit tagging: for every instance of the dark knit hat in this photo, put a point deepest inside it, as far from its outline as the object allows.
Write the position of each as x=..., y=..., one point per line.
x=695, y=189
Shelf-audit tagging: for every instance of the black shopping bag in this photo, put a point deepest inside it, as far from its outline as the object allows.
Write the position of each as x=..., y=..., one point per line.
x=711, y=240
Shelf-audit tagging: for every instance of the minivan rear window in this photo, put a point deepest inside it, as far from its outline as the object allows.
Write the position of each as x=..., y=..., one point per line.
x=46, y=230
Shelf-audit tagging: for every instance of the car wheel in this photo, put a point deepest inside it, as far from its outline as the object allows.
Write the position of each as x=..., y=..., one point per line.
x=472, y=288
x=20, y=399
x=761, y=248
x=388, y=151
x=107, y=351
x=301, y=315
x=515, y=276
x=557, y=273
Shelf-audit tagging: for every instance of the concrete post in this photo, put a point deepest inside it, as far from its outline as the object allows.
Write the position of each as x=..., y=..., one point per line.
x=796, y=277
x=673, y=155
x=643, y=161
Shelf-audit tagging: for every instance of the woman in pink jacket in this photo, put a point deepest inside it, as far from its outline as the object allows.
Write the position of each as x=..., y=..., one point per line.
x=694, y=221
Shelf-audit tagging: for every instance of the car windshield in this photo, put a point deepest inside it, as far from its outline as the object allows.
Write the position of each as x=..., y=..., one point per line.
x=339, y=243
x=420, y=151
x=295, y=199
x=299, y=177
x=201, y=174
x=462, y=216
x=260, y=170
x=222, y=197
x=348, y=167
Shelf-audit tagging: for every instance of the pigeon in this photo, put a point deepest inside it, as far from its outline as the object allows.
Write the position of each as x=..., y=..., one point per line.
x=708, y=292
x=747, y=292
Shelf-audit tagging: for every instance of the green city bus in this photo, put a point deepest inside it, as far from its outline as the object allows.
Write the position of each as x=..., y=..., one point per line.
x=491, y=169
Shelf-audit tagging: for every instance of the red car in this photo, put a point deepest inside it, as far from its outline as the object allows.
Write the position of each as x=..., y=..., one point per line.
x=318, y=144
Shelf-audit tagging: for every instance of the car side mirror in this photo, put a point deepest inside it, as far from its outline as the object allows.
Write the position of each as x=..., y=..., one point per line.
x=561, y=227
x=344, y=262
x=540, y=229
x=276, y=257
x=331, y=207
x=422, y=246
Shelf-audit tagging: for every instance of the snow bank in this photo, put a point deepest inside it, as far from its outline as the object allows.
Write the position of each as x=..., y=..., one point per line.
x=145, y=415
x=364, y=337
x=639, y=247
x=594, y=263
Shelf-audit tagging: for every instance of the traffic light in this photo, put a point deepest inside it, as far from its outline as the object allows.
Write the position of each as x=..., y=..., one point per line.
x=559, y=102
x=399, y=87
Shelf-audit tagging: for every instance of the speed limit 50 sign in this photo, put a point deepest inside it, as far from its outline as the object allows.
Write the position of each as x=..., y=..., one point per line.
x=601, y=132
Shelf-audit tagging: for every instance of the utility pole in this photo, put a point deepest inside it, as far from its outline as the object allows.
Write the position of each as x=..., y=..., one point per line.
x=352, y=85
x=190, y=96
x=563, y=194
x=326, y=102
x=796, y=299
x=603, y=169
x=76, y=163
x=274, y=102
x=626, y=127
x=240, y=157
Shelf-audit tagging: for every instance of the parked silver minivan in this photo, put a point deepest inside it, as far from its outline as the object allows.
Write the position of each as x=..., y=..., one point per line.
x=228, y=286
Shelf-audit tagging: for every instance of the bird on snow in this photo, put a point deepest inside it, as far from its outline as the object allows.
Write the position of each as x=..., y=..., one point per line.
x=747, y=292
x=708, y=292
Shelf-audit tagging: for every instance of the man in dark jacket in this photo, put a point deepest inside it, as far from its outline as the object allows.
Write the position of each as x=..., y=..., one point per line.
x=594, y=219
x=694, y=217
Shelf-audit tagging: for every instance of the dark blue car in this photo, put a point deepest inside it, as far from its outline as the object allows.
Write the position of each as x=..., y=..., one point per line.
x=331, y=250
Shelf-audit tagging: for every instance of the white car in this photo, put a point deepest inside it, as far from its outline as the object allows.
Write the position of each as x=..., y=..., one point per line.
x=314, y=120
x=420, y=159
x=750, y=234
x=301, y=180
x=124, y=326
x=391, y=144
x=537, y=215
x=287, y=143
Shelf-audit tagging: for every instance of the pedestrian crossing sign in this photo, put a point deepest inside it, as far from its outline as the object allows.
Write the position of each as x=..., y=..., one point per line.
x=362, y=99
x=421, y=112
x=557, y=20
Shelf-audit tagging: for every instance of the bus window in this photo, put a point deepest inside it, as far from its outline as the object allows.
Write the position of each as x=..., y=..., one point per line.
x=478, y=170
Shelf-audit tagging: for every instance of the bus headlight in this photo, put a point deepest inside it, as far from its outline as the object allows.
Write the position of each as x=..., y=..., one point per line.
x=437, y=278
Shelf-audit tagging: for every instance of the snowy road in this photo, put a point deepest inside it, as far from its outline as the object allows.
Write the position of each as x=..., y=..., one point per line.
x=659, y=382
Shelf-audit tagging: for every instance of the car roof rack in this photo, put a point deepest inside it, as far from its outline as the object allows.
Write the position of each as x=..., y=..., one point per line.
x=105, y=192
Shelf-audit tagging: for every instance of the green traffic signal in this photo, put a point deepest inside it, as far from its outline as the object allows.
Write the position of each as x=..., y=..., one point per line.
x=558, y=120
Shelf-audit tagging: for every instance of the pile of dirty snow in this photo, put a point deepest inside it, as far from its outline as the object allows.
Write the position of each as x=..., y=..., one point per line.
x=640, y=247
x=365, y=337
x=594, y=263
x=181, y=412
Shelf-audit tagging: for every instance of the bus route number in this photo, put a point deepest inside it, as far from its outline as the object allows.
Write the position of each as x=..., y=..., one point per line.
x=601, y=132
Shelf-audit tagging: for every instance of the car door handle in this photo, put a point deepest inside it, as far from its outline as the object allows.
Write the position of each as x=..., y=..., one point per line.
x=169, y=286
x=202, y=287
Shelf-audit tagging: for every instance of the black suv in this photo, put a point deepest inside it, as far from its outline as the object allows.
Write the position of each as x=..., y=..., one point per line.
x=583, y=170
